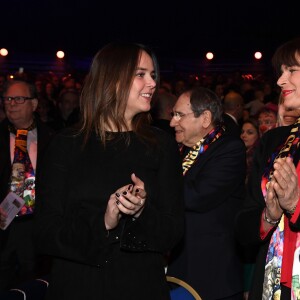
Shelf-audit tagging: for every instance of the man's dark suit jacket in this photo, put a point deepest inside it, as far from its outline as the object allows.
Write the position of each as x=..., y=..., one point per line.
x=231, y=126
x=207, y=259
x=44, y=135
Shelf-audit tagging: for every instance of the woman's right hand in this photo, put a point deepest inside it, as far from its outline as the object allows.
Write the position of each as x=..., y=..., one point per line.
x=129, y=199
x=112, y=214
x=273, y=210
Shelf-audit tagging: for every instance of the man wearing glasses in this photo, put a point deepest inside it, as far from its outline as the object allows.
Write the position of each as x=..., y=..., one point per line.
x=18, y=261
x=213, y=166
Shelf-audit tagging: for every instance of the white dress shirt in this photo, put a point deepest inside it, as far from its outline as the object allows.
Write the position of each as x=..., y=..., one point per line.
x=31, y=146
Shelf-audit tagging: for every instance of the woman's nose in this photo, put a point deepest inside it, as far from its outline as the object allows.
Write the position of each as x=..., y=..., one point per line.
x=151, y=83
x=282, y=80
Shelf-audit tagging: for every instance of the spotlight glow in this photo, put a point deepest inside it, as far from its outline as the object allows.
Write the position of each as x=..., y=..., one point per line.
x=60, y=54
x=209, y=55
x=258, y=55
x=3, y=52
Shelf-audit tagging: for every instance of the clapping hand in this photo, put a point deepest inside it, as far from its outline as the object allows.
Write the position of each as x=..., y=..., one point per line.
x=129, y=200
x=283, y=190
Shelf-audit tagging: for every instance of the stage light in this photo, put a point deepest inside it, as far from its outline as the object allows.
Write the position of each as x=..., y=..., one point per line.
x=258, y=55
x=209, y=55
x=3, y=52
x=60, y=54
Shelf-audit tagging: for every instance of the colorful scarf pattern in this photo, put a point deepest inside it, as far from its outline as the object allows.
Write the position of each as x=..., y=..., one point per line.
x=200, y=147
x=271, y=286
x=23, y=176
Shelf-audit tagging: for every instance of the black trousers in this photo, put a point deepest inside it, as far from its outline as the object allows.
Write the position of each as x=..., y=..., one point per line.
x=18, y=260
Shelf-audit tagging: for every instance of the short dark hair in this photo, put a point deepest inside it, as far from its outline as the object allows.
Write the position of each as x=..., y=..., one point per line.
x=205, y=99
x=286, y=54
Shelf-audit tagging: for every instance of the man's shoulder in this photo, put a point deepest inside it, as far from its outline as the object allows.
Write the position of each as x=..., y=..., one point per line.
x=4, y=128
x=41, y=126
x=228, y=141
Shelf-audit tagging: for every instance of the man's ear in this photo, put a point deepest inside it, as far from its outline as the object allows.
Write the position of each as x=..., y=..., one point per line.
x=207, y=118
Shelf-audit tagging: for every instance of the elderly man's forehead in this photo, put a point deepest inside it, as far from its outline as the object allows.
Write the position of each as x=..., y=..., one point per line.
x=18, y=86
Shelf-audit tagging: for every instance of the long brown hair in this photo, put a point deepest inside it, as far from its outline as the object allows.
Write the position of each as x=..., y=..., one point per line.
x=106, y=91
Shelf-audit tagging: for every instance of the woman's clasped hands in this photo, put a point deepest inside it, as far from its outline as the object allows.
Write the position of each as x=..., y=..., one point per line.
x=283, y=191
x=127, y=200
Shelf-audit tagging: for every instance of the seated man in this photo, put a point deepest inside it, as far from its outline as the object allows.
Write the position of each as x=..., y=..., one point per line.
x=214, y=168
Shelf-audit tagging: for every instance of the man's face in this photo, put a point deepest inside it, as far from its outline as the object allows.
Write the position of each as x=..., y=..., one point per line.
x=68, y=103
x=20, y=115
x=188, y=129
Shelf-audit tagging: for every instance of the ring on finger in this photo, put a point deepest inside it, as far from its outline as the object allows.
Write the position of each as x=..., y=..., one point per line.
x=141, y=203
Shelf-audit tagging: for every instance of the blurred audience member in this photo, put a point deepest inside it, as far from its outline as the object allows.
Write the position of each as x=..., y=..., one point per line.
x=49, y=93
x=68, y=109
x=233, y=106
x=69, y=82
x=286, y=115
x=179, y=87
x=43, y=112
x=257, y=104
x=219, y=90
x=267, y=119
x=161, y=111
x=250, y=136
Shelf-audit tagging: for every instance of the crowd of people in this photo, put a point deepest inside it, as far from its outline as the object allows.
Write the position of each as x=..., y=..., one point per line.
x=126, y=175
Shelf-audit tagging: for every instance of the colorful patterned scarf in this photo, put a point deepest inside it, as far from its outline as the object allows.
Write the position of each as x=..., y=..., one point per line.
x=23, y=176
x=201, y=147
x=271, y=285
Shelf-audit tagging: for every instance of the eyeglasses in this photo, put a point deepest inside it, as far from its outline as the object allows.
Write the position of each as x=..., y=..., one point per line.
x=17, y=99
x=178, y=116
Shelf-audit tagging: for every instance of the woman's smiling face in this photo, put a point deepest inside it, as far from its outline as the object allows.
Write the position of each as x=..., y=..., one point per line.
x=289, y=82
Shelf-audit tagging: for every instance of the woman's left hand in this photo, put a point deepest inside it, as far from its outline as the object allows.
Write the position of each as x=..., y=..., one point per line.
x=286, y=183
x=131, y=199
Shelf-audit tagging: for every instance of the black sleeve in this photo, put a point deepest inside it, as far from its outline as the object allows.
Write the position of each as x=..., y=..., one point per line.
x=161, y=225
x=222, y=174
x=78, y=234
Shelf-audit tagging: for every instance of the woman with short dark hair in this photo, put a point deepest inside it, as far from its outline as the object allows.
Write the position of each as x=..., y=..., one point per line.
x=270, y=218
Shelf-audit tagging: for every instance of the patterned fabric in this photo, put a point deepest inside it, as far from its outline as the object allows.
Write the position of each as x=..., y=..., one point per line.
x=271, y=287
x=22, y=175
x=201, y=147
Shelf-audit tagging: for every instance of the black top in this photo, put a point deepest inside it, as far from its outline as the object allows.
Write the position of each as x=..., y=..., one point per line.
x=231, y=126
x=74, y=190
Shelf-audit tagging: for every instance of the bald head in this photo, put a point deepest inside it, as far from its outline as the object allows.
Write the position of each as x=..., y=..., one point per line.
x=233, y=104
x=232, y=99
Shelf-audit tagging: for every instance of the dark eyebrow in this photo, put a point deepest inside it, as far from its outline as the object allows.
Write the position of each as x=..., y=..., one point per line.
x=144, y=69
